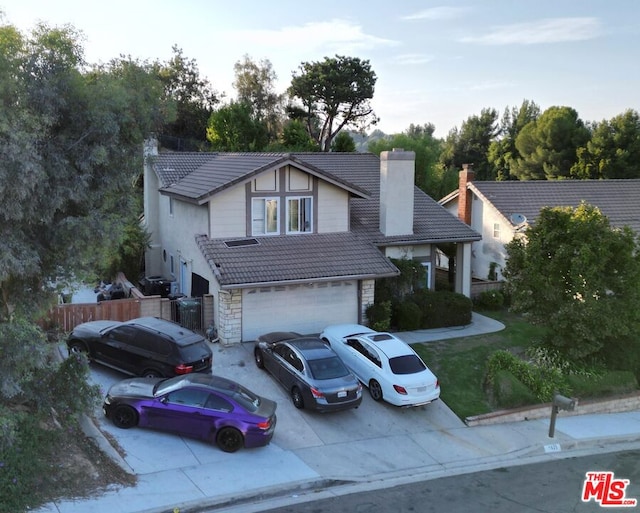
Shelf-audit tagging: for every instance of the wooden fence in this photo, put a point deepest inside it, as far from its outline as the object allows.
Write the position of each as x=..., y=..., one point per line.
x=68, y=316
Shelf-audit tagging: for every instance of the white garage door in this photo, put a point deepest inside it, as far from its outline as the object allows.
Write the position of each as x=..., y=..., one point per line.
x=302, y=308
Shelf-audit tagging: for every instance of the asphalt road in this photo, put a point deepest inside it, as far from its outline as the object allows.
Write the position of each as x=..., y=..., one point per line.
x=551, y=487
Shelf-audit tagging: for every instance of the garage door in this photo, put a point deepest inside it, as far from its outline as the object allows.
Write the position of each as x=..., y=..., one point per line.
x=305, y=308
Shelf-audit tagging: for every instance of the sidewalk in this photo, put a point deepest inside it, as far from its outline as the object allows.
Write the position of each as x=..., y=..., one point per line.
x=373, y=447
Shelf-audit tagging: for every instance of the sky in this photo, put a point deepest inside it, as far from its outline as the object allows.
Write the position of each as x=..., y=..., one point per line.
x=436, y=62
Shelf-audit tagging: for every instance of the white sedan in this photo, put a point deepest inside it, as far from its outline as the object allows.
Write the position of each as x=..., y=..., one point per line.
x=389, y=367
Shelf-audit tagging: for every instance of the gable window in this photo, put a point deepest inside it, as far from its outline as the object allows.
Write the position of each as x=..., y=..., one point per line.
x=299, y=215
x=496, y=230
x=264, y=216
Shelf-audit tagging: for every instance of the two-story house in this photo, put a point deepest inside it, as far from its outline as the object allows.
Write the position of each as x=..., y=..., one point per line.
x=499, y=210
x=291, y=241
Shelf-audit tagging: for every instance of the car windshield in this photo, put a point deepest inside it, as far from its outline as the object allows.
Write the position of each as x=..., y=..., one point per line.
x=166, y=385
x=193, y=351
x=408, y=364
x=327, y=368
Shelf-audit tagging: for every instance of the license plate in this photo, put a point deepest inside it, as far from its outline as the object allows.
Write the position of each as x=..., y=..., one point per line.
x=422, y=389
x=342, y=394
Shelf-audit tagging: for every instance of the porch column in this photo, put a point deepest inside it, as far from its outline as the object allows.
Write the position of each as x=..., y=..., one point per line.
x=463, y=268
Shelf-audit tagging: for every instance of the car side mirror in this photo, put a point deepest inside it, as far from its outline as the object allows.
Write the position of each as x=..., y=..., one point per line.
x=164, y=400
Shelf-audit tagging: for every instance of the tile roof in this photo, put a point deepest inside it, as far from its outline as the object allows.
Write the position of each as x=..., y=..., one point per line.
x=619, y=200
x=197, y=176
x=295, y=259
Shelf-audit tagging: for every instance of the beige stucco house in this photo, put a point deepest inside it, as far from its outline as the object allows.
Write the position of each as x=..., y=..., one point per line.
x=291, y=241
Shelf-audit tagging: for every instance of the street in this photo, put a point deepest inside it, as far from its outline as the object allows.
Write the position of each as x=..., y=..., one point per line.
x=551, y=487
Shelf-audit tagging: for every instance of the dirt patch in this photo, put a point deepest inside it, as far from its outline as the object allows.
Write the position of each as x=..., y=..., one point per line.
x=79, y=469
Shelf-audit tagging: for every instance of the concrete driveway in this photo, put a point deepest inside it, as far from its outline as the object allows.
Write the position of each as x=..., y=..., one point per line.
x=306, y=432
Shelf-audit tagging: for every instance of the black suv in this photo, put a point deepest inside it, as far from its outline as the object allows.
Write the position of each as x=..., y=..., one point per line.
x=147, y=346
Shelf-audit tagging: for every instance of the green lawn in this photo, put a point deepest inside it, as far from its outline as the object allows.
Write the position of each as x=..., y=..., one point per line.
x=460, y=363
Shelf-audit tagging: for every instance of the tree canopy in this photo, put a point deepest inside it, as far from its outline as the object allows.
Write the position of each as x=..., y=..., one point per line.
x=577, y=275
x=70, y=152
x=334, y=94
x=470, y=144
x=547, y=146
x=613, y=151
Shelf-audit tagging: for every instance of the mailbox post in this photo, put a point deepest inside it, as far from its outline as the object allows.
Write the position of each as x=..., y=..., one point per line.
x=560, y=402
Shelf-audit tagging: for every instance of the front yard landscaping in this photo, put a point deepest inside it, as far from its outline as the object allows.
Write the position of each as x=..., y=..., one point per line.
x=461, y=365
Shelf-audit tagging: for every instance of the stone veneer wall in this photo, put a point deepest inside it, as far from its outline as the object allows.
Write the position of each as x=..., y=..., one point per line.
x=367, y=297
x=230, y=316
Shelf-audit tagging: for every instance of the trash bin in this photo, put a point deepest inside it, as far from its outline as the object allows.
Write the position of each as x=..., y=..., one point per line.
x=189, y=312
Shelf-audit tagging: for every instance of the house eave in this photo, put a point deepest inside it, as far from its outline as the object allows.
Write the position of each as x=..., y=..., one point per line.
x=307, y=281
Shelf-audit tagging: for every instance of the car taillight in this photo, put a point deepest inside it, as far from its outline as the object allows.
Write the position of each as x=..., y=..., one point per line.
x=437, y=383
x=265, y=425
x=400, y=390
x=183, y=369
x=316, y=393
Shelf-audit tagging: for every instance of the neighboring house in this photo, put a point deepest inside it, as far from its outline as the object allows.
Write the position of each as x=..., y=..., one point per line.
x=291, y=241
x=499, y=210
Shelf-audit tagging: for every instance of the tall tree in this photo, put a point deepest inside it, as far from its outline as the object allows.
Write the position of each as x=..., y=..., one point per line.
x=470, y=144
x=613, y=151
x=547, y=146
x=334, y=94
x=255, y=85
x=233, y=128
x=502, y=151
x=70, y=151
x=579, y=277
x=195, y=100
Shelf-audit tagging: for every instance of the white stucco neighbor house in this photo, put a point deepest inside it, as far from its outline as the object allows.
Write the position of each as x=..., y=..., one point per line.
x=500, y=210
x=291, y=241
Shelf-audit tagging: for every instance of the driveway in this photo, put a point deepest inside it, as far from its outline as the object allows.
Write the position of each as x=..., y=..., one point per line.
x=302, y=433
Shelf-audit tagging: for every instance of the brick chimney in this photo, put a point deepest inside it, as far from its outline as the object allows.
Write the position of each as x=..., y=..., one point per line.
x=465, y=200
x=397, y=170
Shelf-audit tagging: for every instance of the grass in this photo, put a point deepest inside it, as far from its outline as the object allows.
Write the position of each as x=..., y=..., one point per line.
x=460, y=363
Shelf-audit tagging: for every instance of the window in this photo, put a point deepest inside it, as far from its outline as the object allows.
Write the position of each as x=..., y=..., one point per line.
x=189, y=397
x=299, y=215
x=264, y=216
x=170, y=207
x=496, y=230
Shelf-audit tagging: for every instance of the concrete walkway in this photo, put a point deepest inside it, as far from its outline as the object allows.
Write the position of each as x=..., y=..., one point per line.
x=312, y=455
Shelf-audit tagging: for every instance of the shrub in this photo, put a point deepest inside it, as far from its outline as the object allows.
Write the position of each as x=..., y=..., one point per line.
x=443, y=308
x=64, y=388
x=543, y=382
x=407, y=316
x=379, y=316
x=509, y=392
x=490, y=300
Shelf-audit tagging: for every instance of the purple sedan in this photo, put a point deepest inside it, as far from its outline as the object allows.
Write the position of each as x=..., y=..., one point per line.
x=195, y=405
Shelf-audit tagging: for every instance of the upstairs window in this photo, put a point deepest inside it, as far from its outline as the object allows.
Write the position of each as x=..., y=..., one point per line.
x=496, y=230
x=264, y=216
x=299, y=215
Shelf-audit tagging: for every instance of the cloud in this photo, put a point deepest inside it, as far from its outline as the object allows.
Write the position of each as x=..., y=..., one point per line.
x=413, y=58
x=552, y=30
x=337, y=36
x=437, y=13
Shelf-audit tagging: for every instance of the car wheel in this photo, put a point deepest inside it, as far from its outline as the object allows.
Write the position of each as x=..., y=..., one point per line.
x=150, y=373
x=375, y=390
x=259, y=358
x=296, y=397
x=125, y=417
x=229, y=439
x=78, y=347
